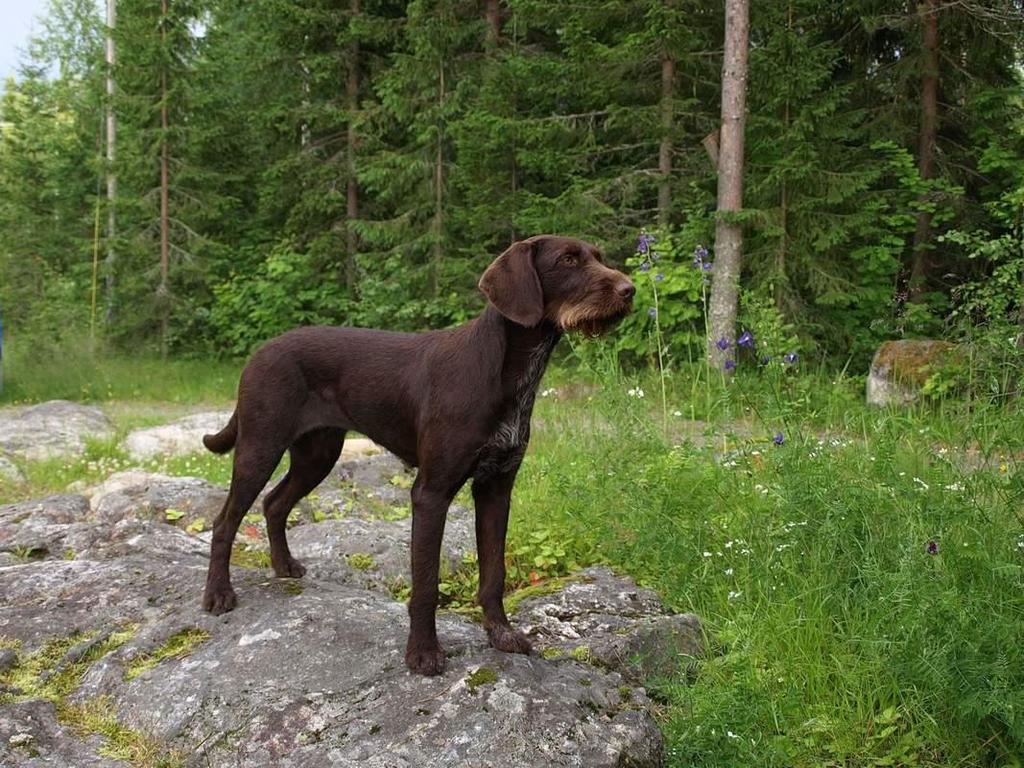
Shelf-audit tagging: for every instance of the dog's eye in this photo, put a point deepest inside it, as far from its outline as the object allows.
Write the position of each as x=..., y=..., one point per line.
x=570, y=261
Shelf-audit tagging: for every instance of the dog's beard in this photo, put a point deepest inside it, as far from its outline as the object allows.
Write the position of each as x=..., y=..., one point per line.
x=589, y=320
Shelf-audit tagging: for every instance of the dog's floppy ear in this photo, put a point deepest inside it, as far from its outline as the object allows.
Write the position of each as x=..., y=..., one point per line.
x=513, y=287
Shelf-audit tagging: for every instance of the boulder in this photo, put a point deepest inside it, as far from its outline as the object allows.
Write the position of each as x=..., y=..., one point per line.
x=183, y=436
x=152, y=496
x=900, y=369
x=304, y=672
x=9, y=472
x=50, y=430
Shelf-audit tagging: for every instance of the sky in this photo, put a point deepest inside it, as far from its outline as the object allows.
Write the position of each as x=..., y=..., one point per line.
x=17, y=19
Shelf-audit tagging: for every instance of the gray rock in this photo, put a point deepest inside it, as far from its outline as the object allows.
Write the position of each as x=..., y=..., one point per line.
x=608, y=620
x=183, y=436
x=8, y=658
x=32, y=737
x=42, y=528
x=900, y=369
x=52, y=429
x=303, y=673
x=9, y=472
x=149, y=496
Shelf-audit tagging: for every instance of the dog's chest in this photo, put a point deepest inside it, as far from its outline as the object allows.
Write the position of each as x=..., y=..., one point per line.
x=505, y=448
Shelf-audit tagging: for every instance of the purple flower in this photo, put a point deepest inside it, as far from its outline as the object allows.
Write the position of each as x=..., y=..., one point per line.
x=730, y=364
x=643, y=244
x=700, y=253
x=778, y=439
x=652, y=312
x=932, y=548
x=790, y=358
x=645, y=266
x=706, y=266
x=659, y=277
x=746, y=340
x=722, y=344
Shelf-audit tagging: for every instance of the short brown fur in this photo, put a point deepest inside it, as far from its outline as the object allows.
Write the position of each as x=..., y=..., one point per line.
x=455, y=403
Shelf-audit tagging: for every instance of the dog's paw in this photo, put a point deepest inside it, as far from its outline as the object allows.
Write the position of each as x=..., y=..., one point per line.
x=425, y=661
x=509, y=640
x=218, y=600
x=292, y=569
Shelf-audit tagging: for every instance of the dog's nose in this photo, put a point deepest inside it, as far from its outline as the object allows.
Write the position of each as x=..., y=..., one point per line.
x=626, y=290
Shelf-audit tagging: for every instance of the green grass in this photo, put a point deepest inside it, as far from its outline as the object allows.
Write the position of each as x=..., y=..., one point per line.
x=844, y=641
x=34, y=374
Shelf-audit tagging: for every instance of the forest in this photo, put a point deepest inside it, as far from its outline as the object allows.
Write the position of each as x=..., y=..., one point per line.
x=243, y=168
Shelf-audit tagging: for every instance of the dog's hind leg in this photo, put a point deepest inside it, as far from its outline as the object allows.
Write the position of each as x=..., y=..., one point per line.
x=252, y=469
x=313, y=456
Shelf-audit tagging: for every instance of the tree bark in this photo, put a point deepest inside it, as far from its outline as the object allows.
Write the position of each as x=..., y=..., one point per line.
x=668, y=74
x=920, y=261
x=438, y=223
x=163, y=290
x=110, y=263
x=493, y=14
x=352, y=186
x=729, y=234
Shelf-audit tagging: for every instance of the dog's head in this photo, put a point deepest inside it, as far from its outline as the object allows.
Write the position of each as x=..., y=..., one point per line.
x=559, y=279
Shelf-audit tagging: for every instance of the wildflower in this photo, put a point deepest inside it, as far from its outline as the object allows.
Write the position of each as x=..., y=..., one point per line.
x=921, y=483
x=659, y=277
x=734, y=595
x=731, y=735
x=700, y=255
x=728, y=571
x=790, y=358
x=730, y=364
x=722, y=343
x=933, y=547
x=645, y=266
x=746, y=339
x=652, y=312
x=636, y=392
x=779, y=438
x=643, y=244
x=706, y=554
x=677, y=413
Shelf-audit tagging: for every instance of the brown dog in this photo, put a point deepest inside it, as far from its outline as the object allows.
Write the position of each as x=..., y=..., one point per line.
x=455, y=403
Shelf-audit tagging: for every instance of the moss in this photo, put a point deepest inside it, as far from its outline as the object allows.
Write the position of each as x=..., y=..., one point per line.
x=586, y=682
x=912, y=362
x=361, y=561
x=249, y=558
x=581, y=653
x=97, y=717
x=289, y=586
x=551, y=653
x=480, y=677
x=53, y=672
x=402, y=480
x=69, y=554
x=178, y=646
x=513, y=599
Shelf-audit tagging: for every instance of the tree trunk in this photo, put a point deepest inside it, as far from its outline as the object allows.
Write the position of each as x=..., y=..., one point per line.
x=780, y=255
x=438, y=223
x=729, y=234
x=352, y=187
x=493, y=13
x=163, y=290
x=920, y=263
x=111, y=257
x=668, y=74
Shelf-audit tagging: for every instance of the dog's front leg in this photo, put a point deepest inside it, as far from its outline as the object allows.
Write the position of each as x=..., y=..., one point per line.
x=423, y=653
x=492, y=497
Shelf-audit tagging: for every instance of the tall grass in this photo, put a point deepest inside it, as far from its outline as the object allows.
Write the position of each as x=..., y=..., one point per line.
x=864, y=580
x=34, y=373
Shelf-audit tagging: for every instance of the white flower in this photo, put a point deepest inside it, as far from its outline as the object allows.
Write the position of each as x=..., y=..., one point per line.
x=731, y=735
x=635, y=392
x=955, y=487
x=734, y=595
x=728, y=571
x=922, y=483
x=706, y=554
x=677, y=413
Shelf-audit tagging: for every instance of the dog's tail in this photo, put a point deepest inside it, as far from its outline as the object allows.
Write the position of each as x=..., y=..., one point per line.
x=223, y=441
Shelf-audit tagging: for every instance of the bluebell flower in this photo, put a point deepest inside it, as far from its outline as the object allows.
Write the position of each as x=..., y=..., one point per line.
x=652, y=312
x=790, y=358
x=643, y=244
x=778, y=439
x=722, y=343
x=659, y=277
x=746, y=339
x=730, y=364
x=645, y=266
x=933, y=547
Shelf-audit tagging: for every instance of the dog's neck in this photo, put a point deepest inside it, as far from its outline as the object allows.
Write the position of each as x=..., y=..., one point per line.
x=526, y=350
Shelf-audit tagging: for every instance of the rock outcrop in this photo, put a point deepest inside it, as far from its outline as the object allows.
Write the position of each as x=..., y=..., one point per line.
x=50, y=430
x=900, y=369
x=114, y=657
